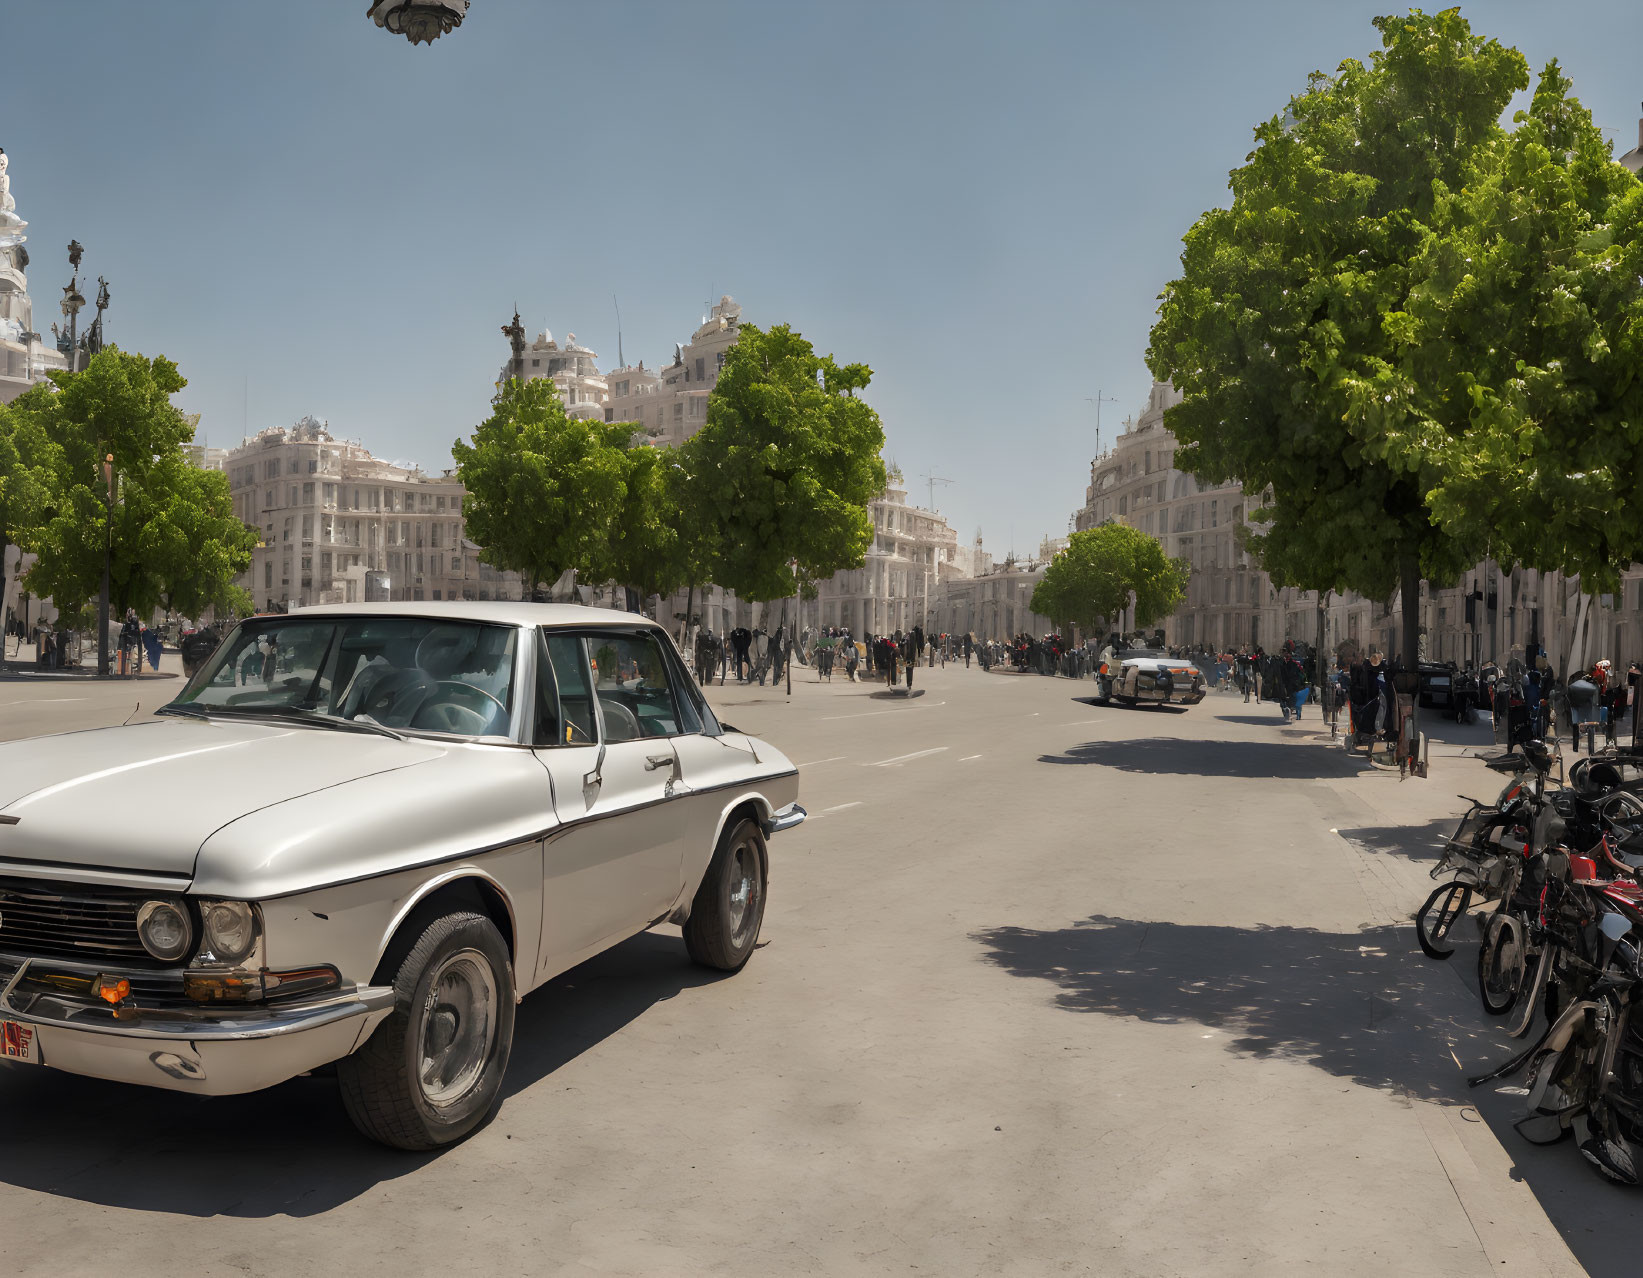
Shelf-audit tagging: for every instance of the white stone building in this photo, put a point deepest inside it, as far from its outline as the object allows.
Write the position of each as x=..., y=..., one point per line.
x=671, y=403
x=339, y=525
x=993, y=605
x=573, y=369
x=914, y=552
x=24, y=358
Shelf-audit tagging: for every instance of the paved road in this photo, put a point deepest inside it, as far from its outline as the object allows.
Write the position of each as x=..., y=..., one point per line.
x=1044, y=988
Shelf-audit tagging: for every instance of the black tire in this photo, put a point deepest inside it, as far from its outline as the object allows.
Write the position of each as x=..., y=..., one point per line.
x=728, y=910
x=1503, y=964
x=386, y=1089
x=1436, y=918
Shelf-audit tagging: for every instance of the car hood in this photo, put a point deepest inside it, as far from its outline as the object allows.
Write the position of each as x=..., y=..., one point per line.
x=143, y=798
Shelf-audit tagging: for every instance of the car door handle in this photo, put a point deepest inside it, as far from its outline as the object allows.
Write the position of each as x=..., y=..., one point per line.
x=654, y=761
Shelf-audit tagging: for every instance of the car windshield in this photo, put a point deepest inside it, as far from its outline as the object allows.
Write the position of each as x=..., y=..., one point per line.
x=404, y=673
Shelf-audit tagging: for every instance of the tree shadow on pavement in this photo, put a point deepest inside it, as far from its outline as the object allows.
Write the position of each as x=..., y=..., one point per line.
x=1359, y=1005
x=1415, y=842
x=1172, y=756
x=1273, y=720
x=289, y=1150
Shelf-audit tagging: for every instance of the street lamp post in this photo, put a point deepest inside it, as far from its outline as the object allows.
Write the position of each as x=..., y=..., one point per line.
x=108, y=547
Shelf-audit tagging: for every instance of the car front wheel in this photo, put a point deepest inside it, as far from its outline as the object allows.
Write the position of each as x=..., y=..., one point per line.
x=432, y=1071
x=729, y=906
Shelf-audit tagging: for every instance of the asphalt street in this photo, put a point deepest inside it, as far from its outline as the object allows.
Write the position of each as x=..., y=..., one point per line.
x=1044, y=987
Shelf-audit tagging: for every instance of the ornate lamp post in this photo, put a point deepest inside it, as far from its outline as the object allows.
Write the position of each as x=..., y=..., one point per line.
x=72, y=302
x=419, y=21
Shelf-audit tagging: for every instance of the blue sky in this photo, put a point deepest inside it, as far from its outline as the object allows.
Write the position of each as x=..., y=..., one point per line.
x=981, y=201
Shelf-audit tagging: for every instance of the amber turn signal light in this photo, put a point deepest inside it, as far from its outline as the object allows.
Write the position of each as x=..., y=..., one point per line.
x=112, y=990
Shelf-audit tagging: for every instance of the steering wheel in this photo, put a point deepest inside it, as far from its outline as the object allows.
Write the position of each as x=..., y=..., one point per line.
x=447, y=715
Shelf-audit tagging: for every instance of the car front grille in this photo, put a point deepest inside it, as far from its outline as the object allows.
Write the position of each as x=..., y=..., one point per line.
x=37, y=921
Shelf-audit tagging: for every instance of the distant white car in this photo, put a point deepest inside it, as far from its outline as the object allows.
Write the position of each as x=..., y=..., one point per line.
x=361, y=834
x=1140, y=677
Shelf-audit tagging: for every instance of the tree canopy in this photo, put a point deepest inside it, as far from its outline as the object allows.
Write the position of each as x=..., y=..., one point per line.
x=785, y=466
x=173, y=539
x=1524, y=338
x=1091, y=581
x=545, y=492
x=1289, y=334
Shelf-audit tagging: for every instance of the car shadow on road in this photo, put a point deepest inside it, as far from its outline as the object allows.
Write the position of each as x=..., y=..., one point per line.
x=1119, y=705
x=1360, y=1005
x=289, y=1150
x=1172, y=756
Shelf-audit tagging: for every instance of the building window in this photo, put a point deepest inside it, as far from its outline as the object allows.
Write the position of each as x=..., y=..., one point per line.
x=313, y=465
x=536, y=363
x=436, y=594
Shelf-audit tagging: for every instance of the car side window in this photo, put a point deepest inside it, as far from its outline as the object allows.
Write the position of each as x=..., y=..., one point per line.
x=564, y=699
x=635, y=692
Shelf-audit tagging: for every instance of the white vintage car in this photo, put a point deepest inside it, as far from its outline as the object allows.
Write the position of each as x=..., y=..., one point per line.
x=361, y=835
x=1140, y=677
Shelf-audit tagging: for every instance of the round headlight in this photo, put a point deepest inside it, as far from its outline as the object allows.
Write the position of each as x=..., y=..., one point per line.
x=230, y=930
x=164, y=929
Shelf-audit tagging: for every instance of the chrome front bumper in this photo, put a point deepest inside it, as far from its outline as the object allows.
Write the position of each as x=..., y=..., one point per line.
x=213, y=1049
x=789, y=817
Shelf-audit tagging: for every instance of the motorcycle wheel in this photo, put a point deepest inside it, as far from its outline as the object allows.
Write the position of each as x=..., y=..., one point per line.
x=1437, y=917
x=1502, y=964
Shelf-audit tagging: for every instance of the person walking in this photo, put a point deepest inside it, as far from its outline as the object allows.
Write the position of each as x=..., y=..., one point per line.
x=131, y=634
x=741, y=639
x=1583, y=695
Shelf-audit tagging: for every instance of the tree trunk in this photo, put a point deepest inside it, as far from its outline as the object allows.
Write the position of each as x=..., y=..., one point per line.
x=690, y=607
x=1409, y=574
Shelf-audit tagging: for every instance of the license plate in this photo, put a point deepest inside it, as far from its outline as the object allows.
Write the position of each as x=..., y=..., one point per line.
x=18, y=1043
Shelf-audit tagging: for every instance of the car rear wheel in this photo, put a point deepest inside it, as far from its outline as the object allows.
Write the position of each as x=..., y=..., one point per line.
x=729, y=906
x=431, y=1073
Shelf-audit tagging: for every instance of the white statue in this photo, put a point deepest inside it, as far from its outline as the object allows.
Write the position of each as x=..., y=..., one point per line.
x=7, y=204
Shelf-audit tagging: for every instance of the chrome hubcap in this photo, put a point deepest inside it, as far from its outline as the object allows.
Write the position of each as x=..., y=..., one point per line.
x=744, y=892
x=458, y=1028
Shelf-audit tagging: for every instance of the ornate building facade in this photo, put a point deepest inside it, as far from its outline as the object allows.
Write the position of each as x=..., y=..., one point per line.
x=340, y=525
x=24, y=357
x=913, y=557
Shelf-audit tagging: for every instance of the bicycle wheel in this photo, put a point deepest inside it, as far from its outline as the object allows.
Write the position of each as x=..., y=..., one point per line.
x=1434, y=919
x=1502, y=964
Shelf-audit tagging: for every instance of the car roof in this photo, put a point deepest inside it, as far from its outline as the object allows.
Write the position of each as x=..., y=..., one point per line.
x=496, y=613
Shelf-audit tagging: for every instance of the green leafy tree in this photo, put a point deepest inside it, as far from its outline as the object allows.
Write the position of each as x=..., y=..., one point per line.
x=1102, y=570
x=546, y=492
x=1526, y=336
x=785, y=466
x=170, y=532
x=25, y=462
x=189, y=541
x=1289, y=333
x=647, y=550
